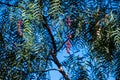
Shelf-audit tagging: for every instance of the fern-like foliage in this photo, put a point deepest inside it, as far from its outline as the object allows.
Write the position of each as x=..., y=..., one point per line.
x=99, y=29
x=23, y=56
x=116, y=35
x=55, y=8
x=116, y=38
x=115, y=32
x=37, y=10
x=30, y=14
x=26, y=55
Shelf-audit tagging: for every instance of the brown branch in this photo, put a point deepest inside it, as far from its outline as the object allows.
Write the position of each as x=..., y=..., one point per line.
x=43, y=71
x=62, y=45
x=49, y=70
x=53, y=53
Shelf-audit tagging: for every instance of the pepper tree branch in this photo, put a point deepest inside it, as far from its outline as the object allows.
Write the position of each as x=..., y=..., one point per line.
x=62, y=45
x=43, y=71
x=53, y=53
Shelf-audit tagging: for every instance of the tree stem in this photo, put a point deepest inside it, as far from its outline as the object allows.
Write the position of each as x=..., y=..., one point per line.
x=53, y=53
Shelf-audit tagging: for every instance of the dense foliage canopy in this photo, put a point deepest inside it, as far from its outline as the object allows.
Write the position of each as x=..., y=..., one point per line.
x=34, y=34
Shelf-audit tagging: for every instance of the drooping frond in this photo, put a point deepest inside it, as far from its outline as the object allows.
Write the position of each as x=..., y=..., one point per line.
x=100, y=28
x=116, y=35
x=115, y=32
x=37, y=10
x=55, y=8
x=31, y=13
